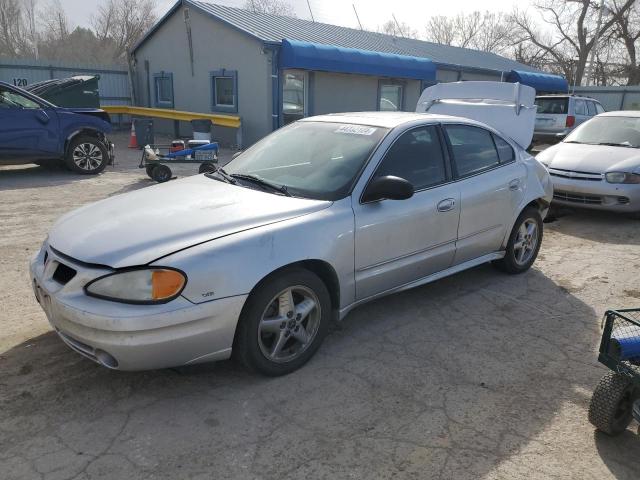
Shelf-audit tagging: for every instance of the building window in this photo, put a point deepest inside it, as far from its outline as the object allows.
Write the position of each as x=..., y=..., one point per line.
x=163, y=86
x=390, y=96
x=294, y=96
x=224, y=91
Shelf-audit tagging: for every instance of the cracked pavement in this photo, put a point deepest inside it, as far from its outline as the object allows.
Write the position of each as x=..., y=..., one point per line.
x=480, y=375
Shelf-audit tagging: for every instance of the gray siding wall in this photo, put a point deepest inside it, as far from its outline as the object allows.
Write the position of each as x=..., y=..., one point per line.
x=216, y=46
x=613, y=98
x=335, y=92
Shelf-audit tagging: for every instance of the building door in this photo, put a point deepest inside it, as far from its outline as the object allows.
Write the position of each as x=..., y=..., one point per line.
x=295, y=86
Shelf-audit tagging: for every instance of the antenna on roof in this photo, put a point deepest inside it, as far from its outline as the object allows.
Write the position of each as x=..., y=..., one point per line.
x=309, y=5
x=357, y=17
x=398, y=25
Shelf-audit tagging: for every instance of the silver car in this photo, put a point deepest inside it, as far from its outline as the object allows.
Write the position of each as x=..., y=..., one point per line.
x=315, y=219
x=598, y=165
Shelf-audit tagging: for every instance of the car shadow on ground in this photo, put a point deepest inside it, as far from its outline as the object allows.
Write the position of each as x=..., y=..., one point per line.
x=593, y=225
x=33, y=176
x=459, y=379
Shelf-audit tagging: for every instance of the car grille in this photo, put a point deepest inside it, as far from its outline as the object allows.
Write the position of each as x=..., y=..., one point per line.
x=576, y=175
x=63, y=274
x=578, y=198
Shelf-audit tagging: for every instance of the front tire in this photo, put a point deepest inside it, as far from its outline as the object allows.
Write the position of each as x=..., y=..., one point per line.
x=610, y=410
x=86, y=155
x=283, y=323
x=524, y=243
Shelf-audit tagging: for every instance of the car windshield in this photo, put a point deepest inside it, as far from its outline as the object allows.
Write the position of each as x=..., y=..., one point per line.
x=557, y=105
x=616, y=131
x=317, y=160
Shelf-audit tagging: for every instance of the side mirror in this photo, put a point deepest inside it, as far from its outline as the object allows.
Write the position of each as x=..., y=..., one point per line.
x=236, y=154
x=389, y=188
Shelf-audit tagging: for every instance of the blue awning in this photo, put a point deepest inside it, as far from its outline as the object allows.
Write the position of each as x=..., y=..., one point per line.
x=329, y=58
x=542, y=82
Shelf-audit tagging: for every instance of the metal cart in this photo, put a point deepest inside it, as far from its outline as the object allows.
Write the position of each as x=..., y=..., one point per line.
x=616, y=399
x=157, y=159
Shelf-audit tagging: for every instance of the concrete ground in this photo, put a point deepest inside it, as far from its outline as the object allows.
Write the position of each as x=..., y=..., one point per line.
x=478, y=376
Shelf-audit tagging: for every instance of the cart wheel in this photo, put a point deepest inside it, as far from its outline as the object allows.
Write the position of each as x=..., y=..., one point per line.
x=149, y=170
x=207, y=167
x=610, y=408
x=161, y=173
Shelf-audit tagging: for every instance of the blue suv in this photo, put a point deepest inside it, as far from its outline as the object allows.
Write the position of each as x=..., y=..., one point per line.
x=33, y=130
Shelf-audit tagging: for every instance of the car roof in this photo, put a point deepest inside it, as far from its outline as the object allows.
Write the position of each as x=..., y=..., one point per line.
x=386, y=119
x=621, y=113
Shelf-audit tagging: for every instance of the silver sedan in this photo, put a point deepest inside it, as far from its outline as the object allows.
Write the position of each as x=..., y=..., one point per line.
x=310, y=222
x=598, y=165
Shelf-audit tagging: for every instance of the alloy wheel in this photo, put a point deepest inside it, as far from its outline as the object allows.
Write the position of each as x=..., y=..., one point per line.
x=87, y=156
x=289, y=324
x=526, y=241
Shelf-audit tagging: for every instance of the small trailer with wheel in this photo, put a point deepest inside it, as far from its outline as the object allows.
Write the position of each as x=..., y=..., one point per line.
x=157, y=159
x=616, y=399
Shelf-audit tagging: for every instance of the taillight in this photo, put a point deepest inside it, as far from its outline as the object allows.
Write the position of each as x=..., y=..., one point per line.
x=571, y=121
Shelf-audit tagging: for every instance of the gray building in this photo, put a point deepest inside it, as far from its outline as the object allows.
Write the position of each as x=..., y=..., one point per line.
x=272, y=70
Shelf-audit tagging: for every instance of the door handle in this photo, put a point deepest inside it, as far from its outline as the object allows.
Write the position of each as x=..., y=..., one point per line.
x=514, y=184
x=446, y=205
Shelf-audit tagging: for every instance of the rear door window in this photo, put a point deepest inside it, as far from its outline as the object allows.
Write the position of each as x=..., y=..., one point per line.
x=580, y=107
x=591, y=108
x=473, y=149
x=554, y=105
x=599, y=108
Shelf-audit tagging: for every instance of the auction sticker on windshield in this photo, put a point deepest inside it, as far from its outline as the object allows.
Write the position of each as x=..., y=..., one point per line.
x=356, y=129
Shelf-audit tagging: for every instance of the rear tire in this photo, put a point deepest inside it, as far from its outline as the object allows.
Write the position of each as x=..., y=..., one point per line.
x=610, y=410
x=524, y=243
x=283, y=323
x=86, y=155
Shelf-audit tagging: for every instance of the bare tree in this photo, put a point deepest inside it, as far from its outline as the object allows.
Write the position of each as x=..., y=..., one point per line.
x=14, y=31
x=120, y=23
x=402, y=29
x=573, y=31
x=273, y=7
x=627, y=31
x=440, y=30
x=484, y=31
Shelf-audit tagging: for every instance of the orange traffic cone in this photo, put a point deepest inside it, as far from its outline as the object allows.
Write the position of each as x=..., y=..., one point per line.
x=133, y=140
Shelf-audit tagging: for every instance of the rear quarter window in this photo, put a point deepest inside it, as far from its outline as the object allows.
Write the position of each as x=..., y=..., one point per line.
x=505, y=152
x=580, y=107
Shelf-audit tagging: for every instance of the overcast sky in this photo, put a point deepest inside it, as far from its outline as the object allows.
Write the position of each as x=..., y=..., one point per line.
x=340, y=12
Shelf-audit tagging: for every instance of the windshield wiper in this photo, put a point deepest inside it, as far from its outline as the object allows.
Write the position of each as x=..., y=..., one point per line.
x=224, y=175
x=572, y=141
x=259, y=181
x=613, y=144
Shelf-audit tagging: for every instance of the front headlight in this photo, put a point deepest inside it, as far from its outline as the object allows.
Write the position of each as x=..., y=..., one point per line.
x=141, y=286
x=622, y=177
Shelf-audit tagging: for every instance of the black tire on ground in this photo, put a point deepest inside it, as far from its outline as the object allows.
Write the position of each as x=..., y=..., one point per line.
x=86, y=155
x=161, y=173
x=149, y=170
x=611, y=403
x=246, y=346
x=510, y=262
x=206, y=167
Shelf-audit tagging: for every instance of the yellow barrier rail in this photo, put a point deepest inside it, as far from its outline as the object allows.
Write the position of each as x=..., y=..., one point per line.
x=231, y=121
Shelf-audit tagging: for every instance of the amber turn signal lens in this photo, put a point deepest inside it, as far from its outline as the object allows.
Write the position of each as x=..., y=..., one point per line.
x=166, y=283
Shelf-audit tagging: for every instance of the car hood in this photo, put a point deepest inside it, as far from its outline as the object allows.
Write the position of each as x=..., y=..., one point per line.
x=139, y=227
x=591, y=158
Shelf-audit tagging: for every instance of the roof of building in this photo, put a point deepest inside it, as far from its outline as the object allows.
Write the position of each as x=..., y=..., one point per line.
x=274, y=29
